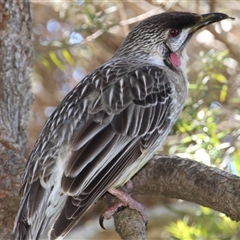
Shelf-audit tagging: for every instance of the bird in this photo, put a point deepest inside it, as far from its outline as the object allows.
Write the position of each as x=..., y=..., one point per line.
x=109, y=126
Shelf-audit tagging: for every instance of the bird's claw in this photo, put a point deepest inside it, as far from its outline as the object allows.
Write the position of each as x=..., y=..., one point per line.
x=109, y=213
x=101, y=220
x=125, y=201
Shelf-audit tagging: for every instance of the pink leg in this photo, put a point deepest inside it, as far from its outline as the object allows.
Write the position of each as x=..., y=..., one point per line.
x=125, y=201
x=129, y=186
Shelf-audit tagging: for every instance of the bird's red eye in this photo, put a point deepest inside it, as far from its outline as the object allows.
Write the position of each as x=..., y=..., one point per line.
x=174, y=32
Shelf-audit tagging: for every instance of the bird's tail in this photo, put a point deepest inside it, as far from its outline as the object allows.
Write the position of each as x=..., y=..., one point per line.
x=31, y=221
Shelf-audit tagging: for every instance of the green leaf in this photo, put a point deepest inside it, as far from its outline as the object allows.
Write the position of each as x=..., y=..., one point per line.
x=223, y=93
x=68, y=57
x=87, y=11
x=219, y=77
x=234, y=100
x=56, y=60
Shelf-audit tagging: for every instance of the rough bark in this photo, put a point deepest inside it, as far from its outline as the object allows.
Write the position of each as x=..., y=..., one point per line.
x=15, y=100
x=179, y=178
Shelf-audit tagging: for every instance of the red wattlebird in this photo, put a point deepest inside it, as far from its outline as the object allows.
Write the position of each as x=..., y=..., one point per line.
x=109, y=126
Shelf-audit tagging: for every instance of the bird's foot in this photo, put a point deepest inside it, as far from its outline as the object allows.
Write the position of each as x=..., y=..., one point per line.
x=125, y=201
x=128, y=187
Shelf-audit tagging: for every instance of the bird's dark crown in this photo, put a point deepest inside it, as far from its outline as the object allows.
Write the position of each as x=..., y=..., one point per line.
x=150, y=32
x=168, y=20
x=153, y=30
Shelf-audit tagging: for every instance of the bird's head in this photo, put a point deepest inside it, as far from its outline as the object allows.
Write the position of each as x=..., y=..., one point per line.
x=161, y=39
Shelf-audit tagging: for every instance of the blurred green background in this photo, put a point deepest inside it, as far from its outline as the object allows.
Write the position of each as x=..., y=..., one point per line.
x=72, y=38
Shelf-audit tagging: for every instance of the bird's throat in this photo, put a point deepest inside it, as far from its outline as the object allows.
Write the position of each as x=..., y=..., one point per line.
x=175, y=60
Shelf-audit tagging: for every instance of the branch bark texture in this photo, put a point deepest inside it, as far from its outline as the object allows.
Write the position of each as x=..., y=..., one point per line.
x=15, y=100
x=180, y=178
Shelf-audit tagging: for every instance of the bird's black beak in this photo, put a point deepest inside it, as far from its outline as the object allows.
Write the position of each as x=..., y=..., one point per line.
x=208, y=18
x=204, y=20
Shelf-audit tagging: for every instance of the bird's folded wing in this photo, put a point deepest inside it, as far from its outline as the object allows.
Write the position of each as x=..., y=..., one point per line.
x=126, y=119
x=105, y=124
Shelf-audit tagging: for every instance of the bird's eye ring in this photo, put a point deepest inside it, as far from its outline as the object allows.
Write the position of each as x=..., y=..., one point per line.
x=174, y=32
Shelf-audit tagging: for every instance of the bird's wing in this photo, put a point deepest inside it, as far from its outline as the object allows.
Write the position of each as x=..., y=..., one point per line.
x=114, y=115
x=126, y=120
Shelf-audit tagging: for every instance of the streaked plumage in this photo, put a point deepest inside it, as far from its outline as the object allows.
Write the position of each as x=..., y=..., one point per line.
x=108, y=126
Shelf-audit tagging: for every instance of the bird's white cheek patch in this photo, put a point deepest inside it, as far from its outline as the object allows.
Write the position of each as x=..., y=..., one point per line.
x=175, y=59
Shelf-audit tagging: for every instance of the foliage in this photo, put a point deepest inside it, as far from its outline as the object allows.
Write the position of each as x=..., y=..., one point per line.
x=199, y=128
x=204, y=225
x=203, y=139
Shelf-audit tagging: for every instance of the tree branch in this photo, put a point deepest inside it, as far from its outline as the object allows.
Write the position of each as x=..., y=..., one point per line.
x=175, y=177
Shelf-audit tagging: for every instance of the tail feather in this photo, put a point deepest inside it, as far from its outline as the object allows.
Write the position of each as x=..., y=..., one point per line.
x=30, y=223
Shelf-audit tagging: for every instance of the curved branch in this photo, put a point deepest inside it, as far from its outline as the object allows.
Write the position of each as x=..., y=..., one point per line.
x=180, y=178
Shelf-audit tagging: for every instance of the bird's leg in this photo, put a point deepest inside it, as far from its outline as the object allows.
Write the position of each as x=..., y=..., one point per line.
x=128, y=187
x=125, y=200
